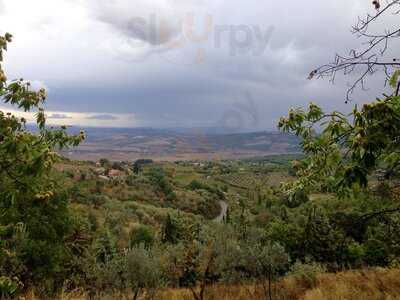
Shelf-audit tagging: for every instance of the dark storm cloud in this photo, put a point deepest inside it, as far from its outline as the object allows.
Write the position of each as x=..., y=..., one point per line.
x=136, y=57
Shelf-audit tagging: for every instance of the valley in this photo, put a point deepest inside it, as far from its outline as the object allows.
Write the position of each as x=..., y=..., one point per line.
x=171, y=145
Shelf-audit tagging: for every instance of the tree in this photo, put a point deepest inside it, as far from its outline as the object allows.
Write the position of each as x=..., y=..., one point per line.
x=105, y=163
x=160, y=180
x=170, y=230
x=199, y=267
x=137, y=166
x=141, y=235
x=264, y=260
x=97, y=200
x=29, y=198
x=205, y=260
x=8, y=287
x=343, y=150
x=349, y=148
x=105, y=247
x=144, y=269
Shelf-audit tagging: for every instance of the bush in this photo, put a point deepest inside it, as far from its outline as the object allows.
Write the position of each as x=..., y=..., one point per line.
x=376, y=253
x=104, y=162
x=98, y=200
x=157, y=176
x=298, y=198
x=197, y=185
x=141, y=235
x=9, y=287
x=144, y=271
x=69, y=173
x=307, y=272
x=130, y=180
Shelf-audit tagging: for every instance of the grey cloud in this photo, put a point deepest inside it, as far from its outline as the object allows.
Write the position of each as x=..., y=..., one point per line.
x=139, y=21
x=58, y=116
x=103, y=117
x=177, y=88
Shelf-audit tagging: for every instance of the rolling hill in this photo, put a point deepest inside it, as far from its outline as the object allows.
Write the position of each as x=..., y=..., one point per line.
x=179, y=144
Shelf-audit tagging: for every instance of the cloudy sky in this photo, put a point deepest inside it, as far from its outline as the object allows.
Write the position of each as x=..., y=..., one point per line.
x=180, y=63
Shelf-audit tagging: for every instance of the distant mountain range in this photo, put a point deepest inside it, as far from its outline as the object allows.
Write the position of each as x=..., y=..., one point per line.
x=180, y=144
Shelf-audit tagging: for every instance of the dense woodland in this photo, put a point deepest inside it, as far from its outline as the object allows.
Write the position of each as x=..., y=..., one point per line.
x=144, y=229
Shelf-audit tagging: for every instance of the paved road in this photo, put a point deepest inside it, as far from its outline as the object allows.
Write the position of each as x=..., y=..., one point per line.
x=223, y=213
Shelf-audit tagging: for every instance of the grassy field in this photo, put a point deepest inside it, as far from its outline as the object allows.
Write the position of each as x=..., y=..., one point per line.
x=363, y=284
x=371, y=284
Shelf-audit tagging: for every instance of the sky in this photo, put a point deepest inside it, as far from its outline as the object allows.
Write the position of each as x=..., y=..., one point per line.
x=181, y=63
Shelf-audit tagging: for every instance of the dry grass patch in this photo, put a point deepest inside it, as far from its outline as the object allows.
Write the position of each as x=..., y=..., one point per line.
x=371, y=284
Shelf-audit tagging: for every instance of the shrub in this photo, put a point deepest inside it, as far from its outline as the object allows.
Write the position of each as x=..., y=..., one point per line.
x=105, y=247
x=157, y=176
x=170, y=230
x=98, y=200
x=93, y=222
x=9, y=287
x=144, y=271
x=104, y=162
x=307, y=272
x=69, y=173
x=197, y=185
x=141, y=235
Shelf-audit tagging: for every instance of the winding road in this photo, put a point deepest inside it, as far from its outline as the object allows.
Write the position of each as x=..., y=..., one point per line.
x=223, y=213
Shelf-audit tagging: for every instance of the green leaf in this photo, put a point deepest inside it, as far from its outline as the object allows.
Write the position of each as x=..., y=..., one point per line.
x=394, y=79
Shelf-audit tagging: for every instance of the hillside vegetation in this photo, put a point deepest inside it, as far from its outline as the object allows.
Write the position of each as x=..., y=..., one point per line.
x=321, y=225
x=164, y=214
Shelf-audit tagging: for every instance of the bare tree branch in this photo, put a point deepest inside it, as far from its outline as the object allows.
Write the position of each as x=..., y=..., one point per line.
x=372, y=56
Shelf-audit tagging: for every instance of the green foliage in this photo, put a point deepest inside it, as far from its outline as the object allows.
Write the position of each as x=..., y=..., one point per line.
x=9, y=287
x=349, y=148
x=138, y=271
x=97, y=200
x=344, y=155
x=298, y=198
x=394, y=80
x=159, y=178
x=105, y=247
x=138, y=165
x=307, y=272
x=105, y=163
x=36, y=215
x=197, y=185
x=144, y=271
x=141, y=235
x=170, y=231
x=42, y=243
x=38, y=243
x=263, y=258
x=219, y=253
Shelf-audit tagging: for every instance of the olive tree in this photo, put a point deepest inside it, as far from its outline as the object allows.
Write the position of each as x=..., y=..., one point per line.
x=144, y=271
x=263, y=260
